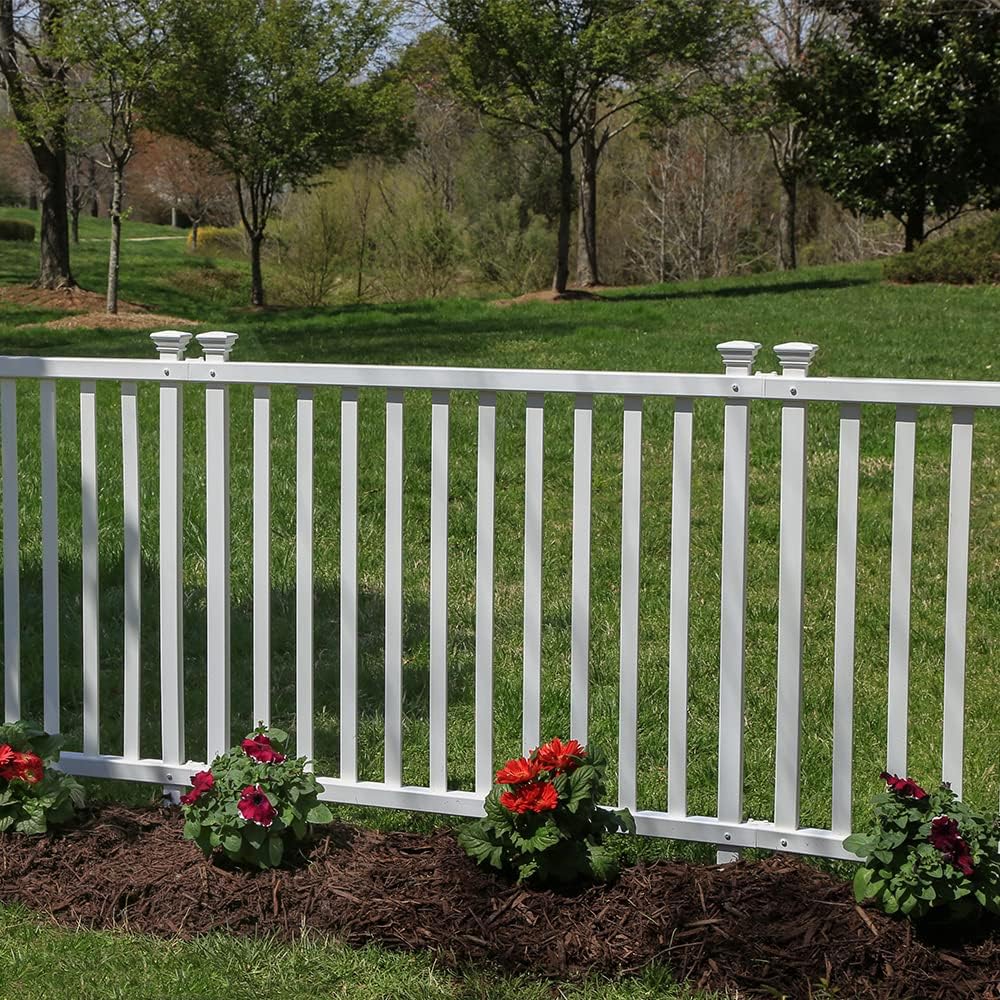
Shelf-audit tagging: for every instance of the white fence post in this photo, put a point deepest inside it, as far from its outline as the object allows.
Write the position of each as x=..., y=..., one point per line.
x=170, y=345
x=216, y=347
x=795, y=359
x=738, y=357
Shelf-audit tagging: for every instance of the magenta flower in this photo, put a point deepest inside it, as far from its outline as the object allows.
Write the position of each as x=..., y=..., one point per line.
x=259, y=747
x=203, y=782
x=906, y=787
x=944, y=836
x=255, y=806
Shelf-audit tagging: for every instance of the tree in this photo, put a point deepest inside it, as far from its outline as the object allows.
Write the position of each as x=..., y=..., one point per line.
x=270, y=88
x=187, y=180
x=118, y=48
x=785, y=30
x=565, y=68
x=35, y=77
x=901, y=109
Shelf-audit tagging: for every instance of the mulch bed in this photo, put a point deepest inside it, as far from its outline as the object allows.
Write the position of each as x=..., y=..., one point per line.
x=760, y=928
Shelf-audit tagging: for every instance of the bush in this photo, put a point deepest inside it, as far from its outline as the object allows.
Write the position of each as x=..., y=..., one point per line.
x=970, y=256
x=21, y=232
x=310, y=238
x=218, y=240
x=929, y=854
x=513, y=248
x=33, y=797
x=542, y=819
x=254, y=802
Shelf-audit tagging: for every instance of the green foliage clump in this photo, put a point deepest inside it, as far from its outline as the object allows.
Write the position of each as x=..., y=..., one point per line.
x=543, y=823
x=513, y=247
x=254, y=802
x=217, y=240
x=928, y=855
x=33, y=796
x=14, y=231
x=970, y=256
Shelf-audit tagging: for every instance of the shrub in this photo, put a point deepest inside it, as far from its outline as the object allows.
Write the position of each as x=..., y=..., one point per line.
x=21, y=232
x=970, y=256
x=513, y=248
x=929, y=854
x=311, y=235
x=217, y=240
x=33, y=797
x=254, y=802
x=542, y=819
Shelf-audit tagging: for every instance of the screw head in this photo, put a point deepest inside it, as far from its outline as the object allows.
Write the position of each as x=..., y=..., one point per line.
x=170, y=776
x=166, y=371
x=784, y=843
x=728, y=836
x=794, y=391
x=212, y=373
x=736, y=388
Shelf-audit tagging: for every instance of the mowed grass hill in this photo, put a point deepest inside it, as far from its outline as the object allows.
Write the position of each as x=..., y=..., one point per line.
x=864, y=326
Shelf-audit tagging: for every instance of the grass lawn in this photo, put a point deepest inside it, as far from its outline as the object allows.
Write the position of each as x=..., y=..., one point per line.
x=863, y=327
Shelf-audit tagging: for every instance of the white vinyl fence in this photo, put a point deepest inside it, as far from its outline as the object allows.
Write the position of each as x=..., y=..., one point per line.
x=740, y=389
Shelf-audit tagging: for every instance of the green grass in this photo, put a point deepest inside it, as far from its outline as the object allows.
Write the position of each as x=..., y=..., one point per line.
x=38, y=962
x=863, y=327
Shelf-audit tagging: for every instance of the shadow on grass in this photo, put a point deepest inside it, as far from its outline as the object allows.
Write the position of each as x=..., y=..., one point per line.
x=743, y=290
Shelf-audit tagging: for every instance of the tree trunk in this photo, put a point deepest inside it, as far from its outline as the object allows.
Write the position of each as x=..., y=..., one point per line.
x=914, y=229
x=114, y=254
x=561, y=278
x=95, y=204
x=74, y=213
x=586, y=254
x=256, y=277
x=195, y=225
x=787, y=224
x=173, y=217
x=53, y=236
x=33, y=201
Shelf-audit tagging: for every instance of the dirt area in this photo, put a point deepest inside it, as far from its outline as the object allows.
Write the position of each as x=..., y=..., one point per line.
x=756, y=928
x=548, y=295
x=88, y=309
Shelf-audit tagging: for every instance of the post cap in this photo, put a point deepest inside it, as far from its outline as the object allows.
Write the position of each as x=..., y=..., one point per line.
x=216, y=344
x=171, y=343
x=796, y=357
x=738, y=354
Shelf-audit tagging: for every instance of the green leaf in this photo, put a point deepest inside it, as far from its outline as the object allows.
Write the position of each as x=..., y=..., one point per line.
x=862, y=883
x=319, y=814
x=477, y=844
x=275, y=850
x=192, y=830
x=232, y=843
x=603, y=863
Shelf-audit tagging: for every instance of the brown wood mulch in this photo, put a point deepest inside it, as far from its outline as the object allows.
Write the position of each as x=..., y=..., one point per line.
x=758, y=928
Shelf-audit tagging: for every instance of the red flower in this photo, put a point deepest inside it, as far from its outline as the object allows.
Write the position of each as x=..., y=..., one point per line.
x=944, y=836
x=26, y=766
x=255, y=806
x=903, y=786
x=517, y=772
x=203, y=781
x=259, y=747
x=8, y=770
x=536, y=796
x=559, y=756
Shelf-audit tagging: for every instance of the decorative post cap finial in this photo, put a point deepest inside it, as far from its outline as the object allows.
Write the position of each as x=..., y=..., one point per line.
x=171, y=343
x=795, y=357
x=216, y=344
x=738, y=355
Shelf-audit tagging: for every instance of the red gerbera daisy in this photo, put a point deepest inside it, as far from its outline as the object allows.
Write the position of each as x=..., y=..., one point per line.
x=559, y=756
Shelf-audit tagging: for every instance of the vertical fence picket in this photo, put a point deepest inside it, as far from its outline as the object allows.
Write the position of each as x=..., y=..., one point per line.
x=133, y=570
x=899, y=586
x=844, y=617
x=959, y=501
x=348, y=585
x=738, y=357
x=11, y=554
x=628, y=697
x=394, y=587
x=171, y=346
x=216, y=347
x=304, y=575
x=531, y=718
x=579, y=671
x=485, y=490
x=795, y=359
x=91, y=571
x=680, y=574
x=50, y=557
x=262, y=554
x=439, y=593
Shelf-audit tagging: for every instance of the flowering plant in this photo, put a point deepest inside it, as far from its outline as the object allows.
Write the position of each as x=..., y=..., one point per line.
x=930, y=854
x=33, y=796
x=253, y=802
x=542, y=819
